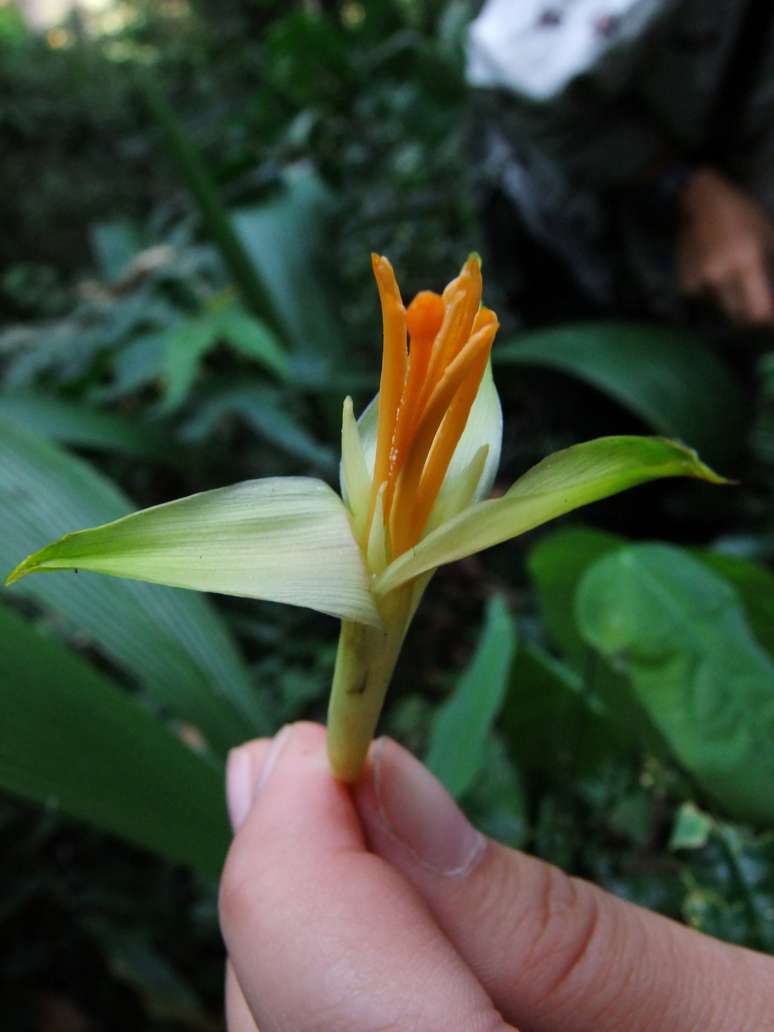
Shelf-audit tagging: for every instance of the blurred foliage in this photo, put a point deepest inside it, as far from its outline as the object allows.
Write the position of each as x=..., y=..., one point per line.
x=584, y=712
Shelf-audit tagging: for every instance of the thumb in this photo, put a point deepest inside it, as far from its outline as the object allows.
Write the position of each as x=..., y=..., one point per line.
x=553, y=951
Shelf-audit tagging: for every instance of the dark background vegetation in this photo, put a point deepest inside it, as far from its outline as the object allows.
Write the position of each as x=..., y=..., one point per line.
x=189, y=193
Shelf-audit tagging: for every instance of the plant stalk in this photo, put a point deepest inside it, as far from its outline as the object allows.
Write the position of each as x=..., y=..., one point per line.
x=365, y=661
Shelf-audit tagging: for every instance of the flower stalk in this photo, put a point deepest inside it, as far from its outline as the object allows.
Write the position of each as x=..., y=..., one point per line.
x=365, y=661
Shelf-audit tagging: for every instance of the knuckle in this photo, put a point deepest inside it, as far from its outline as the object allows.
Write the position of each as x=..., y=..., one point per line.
x=567, y=929
x=489, y=1020
x=553, y=918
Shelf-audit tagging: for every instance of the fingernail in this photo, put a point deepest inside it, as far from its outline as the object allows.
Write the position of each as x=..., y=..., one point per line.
x=420, y=813
x=239, y=786
x=243, y=782
x=279, y=743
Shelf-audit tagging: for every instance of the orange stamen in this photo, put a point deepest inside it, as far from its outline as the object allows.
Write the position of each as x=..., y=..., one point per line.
x=484, y=317
x=444, y=445
x=467, y=287
x=393, y=372
x=424, y=317
x=468, y=365
x=425, y=395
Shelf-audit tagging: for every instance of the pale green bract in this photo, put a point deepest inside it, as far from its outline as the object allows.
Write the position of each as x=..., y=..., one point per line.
x=294, y=540
x=291, y=540
x=283, y=539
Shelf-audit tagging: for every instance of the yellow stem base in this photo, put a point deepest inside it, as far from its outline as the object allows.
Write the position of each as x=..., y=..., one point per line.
x=365, y=661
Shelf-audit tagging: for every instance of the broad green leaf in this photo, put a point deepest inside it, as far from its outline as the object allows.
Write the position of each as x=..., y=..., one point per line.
x=560, y=483
x=72, y=740
x=678, y=633
x=282, y=539
x=137, y=364
x=558, y=561
x=551, y=724
x=253, y=338
x=82, y=426
x=670, y=378
x=185, y=344
x=755, y=587
x=286, y=240
x=171, y=642
x=189, y=340
x=462, y=725
x=268, y=412
x=556, y=564
x=496, y=801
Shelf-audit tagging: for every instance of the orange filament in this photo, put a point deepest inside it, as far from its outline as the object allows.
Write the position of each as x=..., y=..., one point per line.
x=462, y=298
x=393, y=371
x=406, y=519
x=424, y=317
x=426, y=395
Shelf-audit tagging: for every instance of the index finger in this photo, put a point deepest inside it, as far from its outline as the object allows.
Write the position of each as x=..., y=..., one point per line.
x=323, y=934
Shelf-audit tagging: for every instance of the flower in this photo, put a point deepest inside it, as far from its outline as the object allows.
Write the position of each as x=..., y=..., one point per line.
x=415, y=472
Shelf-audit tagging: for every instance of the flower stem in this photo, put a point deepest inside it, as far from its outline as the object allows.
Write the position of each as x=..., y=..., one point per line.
x=365, y=661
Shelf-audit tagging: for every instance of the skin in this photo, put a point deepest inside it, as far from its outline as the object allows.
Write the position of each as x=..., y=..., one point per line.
x=378, y=907
x=725, y=248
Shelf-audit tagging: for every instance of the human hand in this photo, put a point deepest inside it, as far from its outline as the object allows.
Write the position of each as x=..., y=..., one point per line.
x=724, y=249
x=380, y=907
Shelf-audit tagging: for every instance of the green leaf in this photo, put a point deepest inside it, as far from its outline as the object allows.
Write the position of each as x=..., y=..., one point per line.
x=114, y=244
x=551, y=723
x=172, y=642
x=137, y=364
x=73, y=741
x=678, y=633
x=691, y=828
x=556, y=564
x=82, y=426
x=286, y=240
x=462, y=725
x=671, y=379
x=185, y=345
x=282, y=539
x=268, y=412
x=558, y=561
x=755, y=587
x=188, y=341
x=252, y=338
x=496, y=801
x=560, y=483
